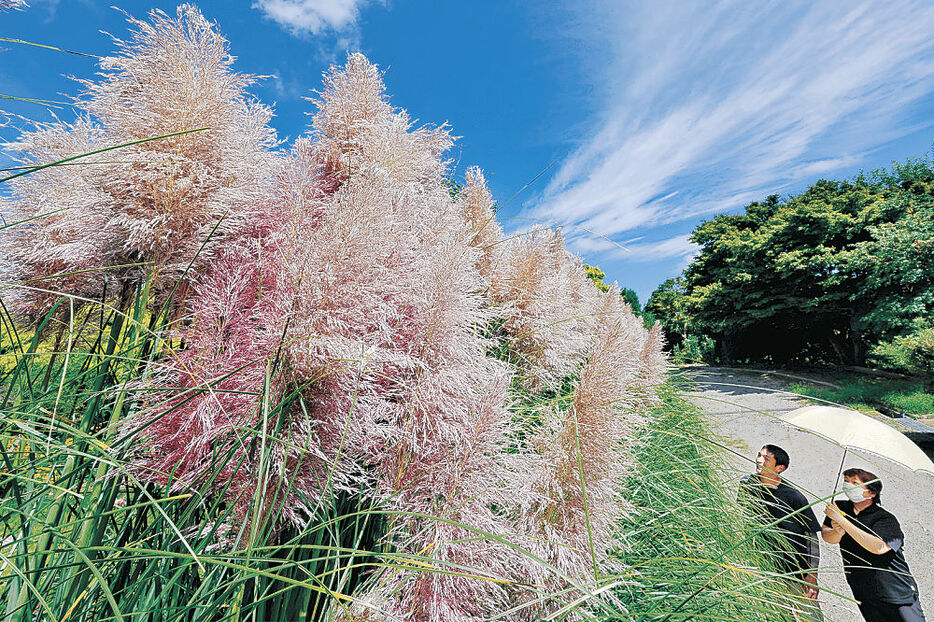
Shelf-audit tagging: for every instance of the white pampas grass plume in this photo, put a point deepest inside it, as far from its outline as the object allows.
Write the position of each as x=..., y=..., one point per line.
x=548, y=305
x=355, y=126
x=585, y=449
x=67, y=238
x=175, y=75
x=12, y=5
x=476, y=202
x=148, y=206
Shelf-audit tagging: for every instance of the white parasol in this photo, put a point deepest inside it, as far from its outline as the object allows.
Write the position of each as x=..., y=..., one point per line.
x=854, y=430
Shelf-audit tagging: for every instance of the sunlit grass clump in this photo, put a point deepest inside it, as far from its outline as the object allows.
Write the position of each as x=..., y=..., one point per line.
x=691, y=550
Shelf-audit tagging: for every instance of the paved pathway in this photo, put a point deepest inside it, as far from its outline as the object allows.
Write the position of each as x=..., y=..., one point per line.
x=743, y=408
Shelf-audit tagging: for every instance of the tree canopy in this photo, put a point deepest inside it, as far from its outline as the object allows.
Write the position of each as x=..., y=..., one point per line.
x=822, y=275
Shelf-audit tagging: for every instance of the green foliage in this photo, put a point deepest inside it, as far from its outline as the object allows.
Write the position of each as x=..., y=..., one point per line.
x=85, y=539
x=912, y=353
x=648, y=319
x=919, y=402
x=669, y=305
x=818, y=276
x=632, y=299
x=694, y=349
x=864, y=393
x=595, y=274
x=896, y=266
x=453, y=187
x=694, y=553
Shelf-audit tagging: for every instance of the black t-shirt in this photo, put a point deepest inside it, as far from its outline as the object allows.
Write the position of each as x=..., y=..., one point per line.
x=885, y=578
x=780, y=504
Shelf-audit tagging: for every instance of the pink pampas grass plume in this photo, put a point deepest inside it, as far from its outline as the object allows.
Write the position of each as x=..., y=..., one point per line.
x=404, y=402
x=214, y=385
x=233, y=335
x=653, y=365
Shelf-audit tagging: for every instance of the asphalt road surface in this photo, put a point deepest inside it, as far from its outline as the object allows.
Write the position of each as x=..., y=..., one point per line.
x=743, y=408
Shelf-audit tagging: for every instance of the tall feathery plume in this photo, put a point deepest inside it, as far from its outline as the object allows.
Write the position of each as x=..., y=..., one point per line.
x=149, y=206
x=367, y=286
x=66, y=238
x=173, y=76
x=584, y=450
x=215, y=385
x=12, y=5
x=232, y=339
x=653, y=366
x=403, y=401
x=476, y=202
x=548, y=304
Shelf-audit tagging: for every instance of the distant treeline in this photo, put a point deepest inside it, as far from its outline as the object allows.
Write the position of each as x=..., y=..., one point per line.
x=841, y=273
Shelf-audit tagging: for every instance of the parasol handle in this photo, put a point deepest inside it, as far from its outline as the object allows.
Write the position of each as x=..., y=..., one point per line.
x=837, y=480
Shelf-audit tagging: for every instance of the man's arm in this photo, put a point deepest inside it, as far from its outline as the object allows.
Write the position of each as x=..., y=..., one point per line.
x=812, y=559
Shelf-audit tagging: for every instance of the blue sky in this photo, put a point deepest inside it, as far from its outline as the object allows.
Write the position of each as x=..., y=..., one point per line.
x=646, y=117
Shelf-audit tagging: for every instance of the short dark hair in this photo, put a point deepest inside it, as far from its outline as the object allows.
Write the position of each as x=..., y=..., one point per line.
x=780, y=455
x=870, y=480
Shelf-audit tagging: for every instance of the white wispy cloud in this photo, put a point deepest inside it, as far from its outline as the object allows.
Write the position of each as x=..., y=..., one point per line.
x=290, y=87
x=677, y=247
x=637, y=249
x=712, y=105
x=311, y=16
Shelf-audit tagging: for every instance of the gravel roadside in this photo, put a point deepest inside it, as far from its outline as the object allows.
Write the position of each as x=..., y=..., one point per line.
x=743, y=408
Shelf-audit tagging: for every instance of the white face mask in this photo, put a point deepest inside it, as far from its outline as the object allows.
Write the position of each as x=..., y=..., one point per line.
x=854, y=494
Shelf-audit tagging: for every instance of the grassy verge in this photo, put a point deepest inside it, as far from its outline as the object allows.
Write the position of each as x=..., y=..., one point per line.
x=865, y=393
x=694, y=554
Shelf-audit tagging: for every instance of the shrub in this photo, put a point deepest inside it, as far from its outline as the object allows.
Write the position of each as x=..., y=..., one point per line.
x=912, y=353
x=694, y=349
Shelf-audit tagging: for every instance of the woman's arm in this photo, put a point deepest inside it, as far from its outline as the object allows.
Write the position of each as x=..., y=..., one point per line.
x=871, y=543
x=832, y=534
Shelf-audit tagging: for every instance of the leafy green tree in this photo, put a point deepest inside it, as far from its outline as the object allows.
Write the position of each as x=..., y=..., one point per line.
x=632, y=299
x=668, y=305
x=821, y=275
x=912, y=353
x=897, y=263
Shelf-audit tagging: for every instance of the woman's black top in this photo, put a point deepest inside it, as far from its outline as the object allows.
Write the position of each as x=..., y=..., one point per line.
x=883, y=578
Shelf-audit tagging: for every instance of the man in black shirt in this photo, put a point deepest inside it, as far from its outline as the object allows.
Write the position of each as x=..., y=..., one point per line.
x=770, y=499
x=871, y=543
